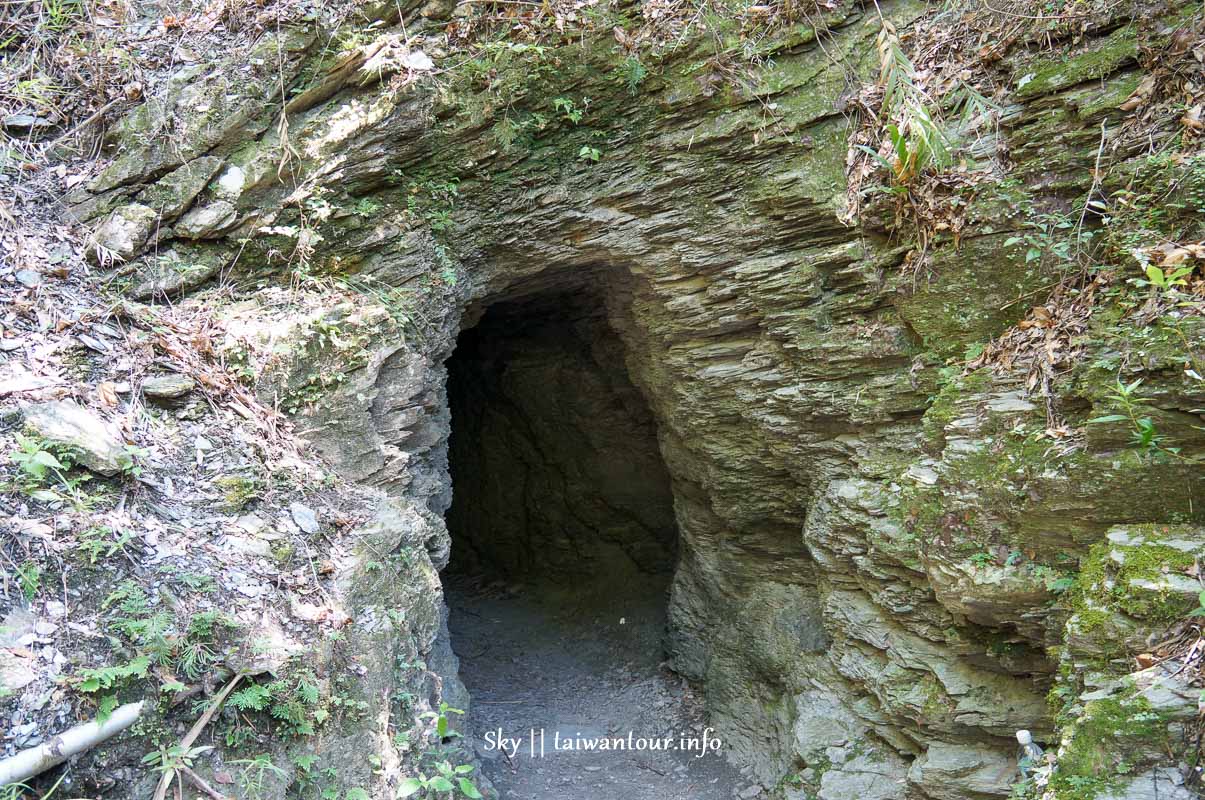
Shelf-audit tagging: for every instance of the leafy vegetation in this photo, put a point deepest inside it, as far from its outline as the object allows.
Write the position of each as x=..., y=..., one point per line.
x=445, y=781
x=38, y=464
x=175, y=760
x=1143, y=433
x=917, y=137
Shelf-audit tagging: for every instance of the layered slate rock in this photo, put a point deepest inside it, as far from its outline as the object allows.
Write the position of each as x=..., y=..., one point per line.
x=856, y=522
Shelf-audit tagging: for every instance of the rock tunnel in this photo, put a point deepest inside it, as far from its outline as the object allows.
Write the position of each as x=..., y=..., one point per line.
x=557, y=476
x=564, y=545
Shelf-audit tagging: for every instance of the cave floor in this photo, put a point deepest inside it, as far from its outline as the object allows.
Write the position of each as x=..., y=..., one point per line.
x=574, y=666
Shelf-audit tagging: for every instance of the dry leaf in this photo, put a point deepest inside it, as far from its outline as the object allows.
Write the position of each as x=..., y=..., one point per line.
x=1192, y=118
x=106, y=392
x=1174, y=256
x=1139, y=96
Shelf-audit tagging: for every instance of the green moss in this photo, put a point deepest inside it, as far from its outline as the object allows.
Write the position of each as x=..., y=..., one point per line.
x=1099, y=60
x=1088, y=620
x=1109, y=582
x=1103, y=99
x=1110, y=730
x=937, y=309
x=944, y=406
x=238, y=491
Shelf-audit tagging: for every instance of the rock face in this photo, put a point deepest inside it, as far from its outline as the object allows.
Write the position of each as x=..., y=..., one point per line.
x=173, y=193
x=206, y=221
x=866, y=535
x=1135, y=583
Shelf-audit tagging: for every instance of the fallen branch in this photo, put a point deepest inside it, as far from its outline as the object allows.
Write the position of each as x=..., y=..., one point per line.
x=202, y=784
x=36, y=760
x=195, y=731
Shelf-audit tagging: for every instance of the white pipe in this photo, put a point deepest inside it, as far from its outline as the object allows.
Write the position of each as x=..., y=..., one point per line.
x=35, y=760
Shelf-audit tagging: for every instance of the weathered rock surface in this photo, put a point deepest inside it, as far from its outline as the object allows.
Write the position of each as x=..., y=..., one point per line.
x=166, y=388
x=207, y=221
x=92, y=442
x=174, y=271
x=123, y=233
x=963, y=772
x=852, y=518
x=1124, y=723
x=173, y=193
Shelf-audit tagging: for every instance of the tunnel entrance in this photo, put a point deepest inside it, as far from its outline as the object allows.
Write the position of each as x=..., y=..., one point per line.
x=556, y=472
x=563, y=546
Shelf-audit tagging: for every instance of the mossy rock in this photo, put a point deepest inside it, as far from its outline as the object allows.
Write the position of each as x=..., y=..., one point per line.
x=938, y=310
x=1143, y=571
x=1099, y=59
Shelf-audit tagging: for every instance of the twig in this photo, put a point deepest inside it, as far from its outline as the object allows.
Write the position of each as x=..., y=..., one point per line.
x=1030, y=16
x=1083, y=214
x=202, y=784
x=1039, y=290
x=195, y=731
x=91, y=118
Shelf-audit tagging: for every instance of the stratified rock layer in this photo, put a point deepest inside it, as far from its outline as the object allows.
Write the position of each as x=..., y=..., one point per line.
x=863, y=537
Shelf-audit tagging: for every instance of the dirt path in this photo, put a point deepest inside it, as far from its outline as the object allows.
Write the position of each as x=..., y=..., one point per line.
x=580, y=669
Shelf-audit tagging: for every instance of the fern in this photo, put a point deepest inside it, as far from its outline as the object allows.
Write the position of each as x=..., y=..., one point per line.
x=253, y=698
x=94, y=680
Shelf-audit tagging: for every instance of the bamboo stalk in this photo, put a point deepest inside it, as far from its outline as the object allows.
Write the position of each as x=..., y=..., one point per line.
x=36, y=760
x=195, y=731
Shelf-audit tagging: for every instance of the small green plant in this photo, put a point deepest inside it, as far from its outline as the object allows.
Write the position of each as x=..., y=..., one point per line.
x=108, y=680
x=1055, y=582
x=442, y=728
x=96, y=680
x=1164, y=281
x=171, y=761
x=295, y=703
x=632, y=72
x=588, y=153
x=195, y=652
x=1199, y=611
x=366, y=207
x=447, y=779
x=197, y=582
x=131, y=460
x=1143, y=433
x=34, y=459
x=1047, y=237
x=29, y=578
x=307, y=775
x=255, y=697
x=434, y=201
x=982, y=560
x=569, y=109
x=908, y=121
x=254, y=774
x=102, y=542
x=188, y=644
x=20, y=791
x=37, y=464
